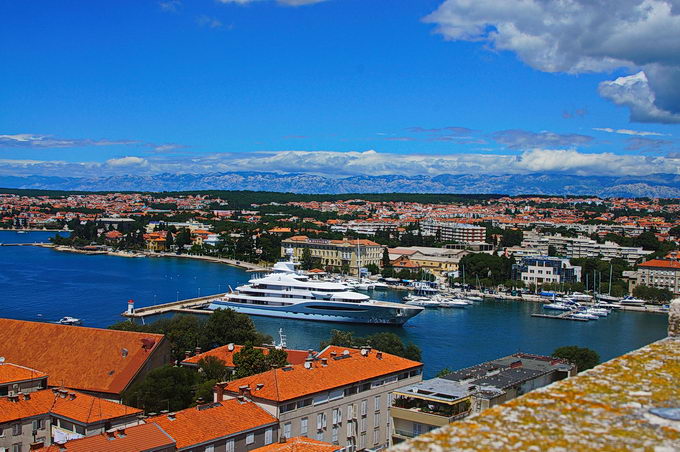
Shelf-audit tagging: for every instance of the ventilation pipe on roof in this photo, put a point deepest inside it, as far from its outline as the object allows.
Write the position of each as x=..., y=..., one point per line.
x=71, y=395
x=308, y=364
x=324, y=362
x=364, y=352
x=378, y=355
x=230, y=347
x=121, y=432
x=187, y=353
x=334, y=354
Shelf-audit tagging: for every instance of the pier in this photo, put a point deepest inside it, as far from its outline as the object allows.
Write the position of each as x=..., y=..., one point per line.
x=563, y=316
x=187, y=306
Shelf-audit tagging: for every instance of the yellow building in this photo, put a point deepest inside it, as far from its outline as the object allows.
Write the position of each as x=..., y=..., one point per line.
x=335, y=253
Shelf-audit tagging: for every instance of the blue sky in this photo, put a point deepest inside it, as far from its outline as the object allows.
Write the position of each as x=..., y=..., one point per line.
x=339, y=87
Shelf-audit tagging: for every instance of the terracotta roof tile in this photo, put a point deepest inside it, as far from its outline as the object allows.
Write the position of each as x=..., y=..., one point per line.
x=12, y=373
x=299, y=444
x=140, y=438
x=226, y=355
x=76, y=357
x=661, y=263
x=82, y=408
x=205, y=423
x=297, y=381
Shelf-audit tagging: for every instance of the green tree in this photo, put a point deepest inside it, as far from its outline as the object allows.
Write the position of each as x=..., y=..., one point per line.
x=183, y=238
x=652, y=294
x=250, y=361
x=213, y=368
x=583, y=358
x=307, y=261
x=552, y=250
x=444, y=372
x=165, y=388
x=385, y=342
x=226, y=326
x=386, y=263
x=512, y=237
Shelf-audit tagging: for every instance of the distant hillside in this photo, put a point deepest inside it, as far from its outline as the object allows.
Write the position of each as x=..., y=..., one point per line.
x=657, y=185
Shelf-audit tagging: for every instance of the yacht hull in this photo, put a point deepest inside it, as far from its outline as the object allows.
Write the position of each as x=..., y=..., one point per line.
x=326, y=312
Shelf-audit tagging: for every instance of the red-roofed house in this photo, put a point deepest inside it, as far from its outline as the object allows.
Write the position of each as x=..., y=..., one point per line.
x=341, y=396
x=139, y=438
x=15, y=379
x=334, y=254
x=57, y=415
x=226, y=354
x=300, y=444
x=98, y=361
x=660, y=273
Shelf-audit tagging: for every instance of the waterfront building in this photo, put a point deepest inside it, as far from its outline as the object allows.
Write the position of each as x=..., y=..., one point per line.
x=300, y=444
x=433, y=403
x=335, y=253
x=100, y=362
x=226, y=425
x=577, y=247
x=33, y=419
x=659, y=273
x=340, y=396
x=438, y=261
x=544, y=269
x=447, y=231
x=366, y=227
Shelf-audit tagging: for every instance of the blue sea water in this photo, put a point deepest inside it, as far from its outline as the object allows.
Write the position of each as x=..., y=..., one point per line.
x=43, y=284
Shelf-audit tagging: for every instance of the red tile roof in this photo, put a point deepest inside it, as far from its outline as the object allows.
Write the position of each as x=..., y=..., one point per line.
x=140, y=438
x=88, y=359
x=225, y=354
x=299, y=444
x=12, y=373
x=205, y=423
x=662, y=263
x=73, y=405
x=296, y=381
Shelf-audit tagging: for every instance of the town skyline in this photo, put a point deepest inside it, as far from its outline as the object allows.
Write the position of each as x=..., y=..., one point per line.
x=339, y=88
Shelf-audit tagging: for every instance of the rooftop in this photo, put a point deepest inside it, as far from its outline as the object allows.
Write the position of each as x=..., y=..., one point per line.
x=299, y=444
x=226, y=354
x=344, y=366
x=663, y=263
x=12, y=373
x=212, y=421
x=89, y=359
x=140, y=438
x=77, y=406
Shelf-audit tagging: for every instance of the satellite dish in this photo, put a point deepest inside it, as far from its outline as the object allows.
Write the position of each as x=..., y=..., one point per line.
x=2, y=359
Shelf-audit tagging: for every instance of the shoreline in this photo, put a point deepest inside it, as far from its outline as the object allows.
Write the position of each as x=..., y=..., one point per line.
x=34, y=230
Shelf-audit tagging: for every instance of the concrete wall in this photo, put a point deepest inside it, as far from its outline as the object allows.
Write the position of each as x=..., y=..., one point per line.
x=25, y=437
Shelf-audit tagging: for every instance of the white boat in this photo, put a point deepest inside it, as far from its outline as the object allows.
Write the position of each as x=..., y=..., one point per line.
x=607, y=298
x=453, y=303
x=632, y=301
x=578, y=296
x=582, y=315
x=473, y=298
x=424, y=302
x=558, y=306
x=380, y=285
x=284, y=293
x=600, y=312
x=69, y=321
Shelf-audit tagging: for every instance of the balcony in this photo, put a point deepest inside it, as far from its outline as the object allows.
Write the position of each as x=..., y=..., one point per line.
x=422, y=417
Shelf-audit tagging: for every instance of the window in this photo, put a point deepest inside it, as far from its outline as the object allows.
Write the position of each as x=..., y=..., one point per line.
x=334, y=435
x=250, y=438
x=16, y=447
x=363, y=424
x=2, y=433
x=230, y=445
x=38, y=424
x=337, y=394
x=287, y=429
x=376, y=436
x=320, y=421
x=389, y=399
x=319, y=435
x=362, y=441
x=210, y=448
x=377, y=383
x=376, y=403
x=303, y=426
x=304, y=403
x=350, y=412
x=16, y=429
x=376, y=419
x=364, y=407
x=318, y=400
x=288, y=407
x=268, y=435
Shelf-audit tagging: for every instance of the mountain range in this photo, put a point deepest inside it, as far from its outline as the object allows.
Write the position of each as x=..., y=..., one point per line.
x=656, y=185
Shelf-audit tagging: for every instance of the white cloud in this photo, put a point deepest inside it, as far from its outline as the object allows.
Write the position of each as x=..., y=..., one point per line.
x=634, y=92
x=127, y=161
x=340, y=164
x=638, y=133
x=280, y=2
x=578, y=36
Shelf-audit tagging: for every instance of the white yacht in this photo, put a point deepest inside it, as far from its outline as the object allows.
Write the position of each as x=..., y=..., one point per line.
x=287, y=294
x=632, y=301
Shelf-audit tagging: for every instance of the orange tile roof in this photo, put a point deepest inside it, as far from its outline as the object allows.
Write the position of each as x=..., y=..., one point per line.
x=12, y=373
x=225, y=354
x=297, y=381
x=76, y=357
x=299, y=444
x=140, y=438
x=81, y=408
x=661, y=263
x=202, y=423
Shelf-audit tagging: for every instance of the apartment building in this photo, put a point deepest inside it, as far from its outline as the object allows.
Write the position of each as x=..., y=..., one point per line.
x=97, y=361
x=538, y=270
x=437, y=402
x=438, y=261
x=31, y=419
x=335, y=253
x=142, y=437
x=19, y=379
x=576, y=247
x=226, y=355
x=450, y=231
x=340, y=396
x=659, y=273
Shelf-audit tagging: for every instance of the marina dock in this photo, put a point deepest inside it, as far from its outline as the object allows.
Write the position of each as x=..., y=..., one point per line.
x=188, y=306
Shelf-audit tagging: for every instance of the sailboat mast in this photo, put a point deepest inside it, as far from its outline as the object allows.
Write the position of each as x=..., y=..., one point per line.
x=610, y=279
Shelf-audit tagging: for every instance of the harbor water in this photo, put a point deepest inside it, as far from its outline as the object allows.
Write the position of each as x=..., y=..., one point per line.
x=44, y=285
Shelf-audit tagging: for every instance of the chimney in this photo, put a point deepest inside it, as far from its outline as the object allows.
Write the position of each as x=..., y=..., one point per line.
x=230, y=347
x=282, y=439
x=187, y=354
x=27, y=396
x=242, y=389
x=71, y=395
x=310, y=354
x=324, y=362
x=219, y=392
x=308, y=364
x=172, y=416
x=378, y=355
x=36, y=445
x=111, y=435
x=63, y=393
x=334, y=354
x=364, y=352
